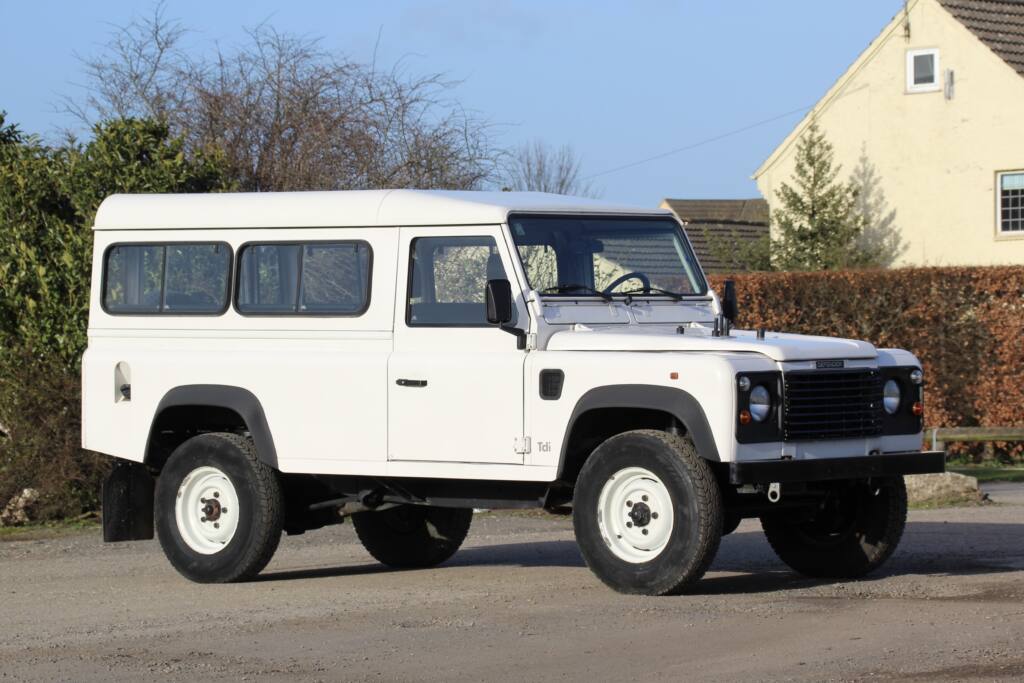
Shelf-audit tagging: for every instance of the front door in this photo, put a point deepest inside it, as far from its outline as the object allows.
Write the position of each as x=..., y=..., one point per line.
x=455, y=383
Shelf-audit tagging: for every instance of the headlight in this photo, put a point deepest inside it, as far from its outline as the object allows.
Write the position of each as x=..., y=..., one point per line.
x=760, y=403
x=891, y=396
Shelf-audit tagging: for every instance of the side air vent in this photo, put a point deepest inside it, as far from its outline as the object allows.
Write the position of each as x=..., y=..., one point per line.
x=551, y=384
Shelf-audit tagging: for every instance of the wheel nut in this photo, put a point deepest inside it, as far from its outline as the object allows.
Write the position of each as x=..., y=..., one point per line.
x=654, y=515
x=629, y=524
x=202, y=501
x=644, y=532
x=202, y=519
x=217, y=526
x=644, y=498
x=216, y=494
x=224, y=511
x=629, y=503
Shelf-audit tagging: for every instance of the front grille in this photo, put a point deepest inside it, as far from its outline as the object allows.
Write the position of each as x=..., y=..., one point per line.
x=842, y=404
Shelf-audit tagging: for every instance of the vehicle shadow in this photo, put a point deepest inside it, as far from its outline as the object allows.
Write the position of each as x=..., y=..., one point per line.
x=748, y=563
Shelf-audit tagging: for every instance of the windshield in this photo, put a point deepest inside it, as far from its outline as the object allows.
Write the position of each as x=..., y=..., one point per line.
x=606, y=256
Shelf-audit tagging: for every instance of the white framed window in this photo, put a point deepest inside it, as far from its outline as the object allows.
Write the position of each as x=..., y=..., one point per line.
x=1010, y=203
x=923, y=71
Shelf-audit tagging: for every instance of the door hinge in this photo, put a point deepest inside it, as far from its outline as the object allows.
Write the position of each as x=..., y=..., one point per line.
x=522, y=445
x=531, y=342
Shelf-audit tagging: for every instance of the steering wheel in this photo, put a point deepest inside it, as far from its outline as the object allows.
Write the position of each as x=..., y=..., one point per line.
x=625, y=278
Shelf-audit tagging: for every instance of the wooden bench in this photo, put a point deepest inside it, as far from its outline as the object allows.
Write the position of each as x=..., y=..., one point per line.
x=939, y=436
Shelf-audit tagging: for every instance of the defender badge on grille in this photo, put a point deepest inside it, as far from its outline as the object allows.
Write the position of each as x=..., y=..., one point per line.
x=830, y=364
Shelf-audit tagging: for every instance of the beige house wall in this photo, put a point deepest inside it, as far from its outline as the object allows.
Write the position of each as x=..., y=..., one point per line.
x=937, y=159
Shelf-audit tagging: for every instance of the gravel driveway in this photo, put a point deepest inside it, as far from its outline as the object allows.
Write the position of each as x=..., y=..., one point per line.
x=517, y=604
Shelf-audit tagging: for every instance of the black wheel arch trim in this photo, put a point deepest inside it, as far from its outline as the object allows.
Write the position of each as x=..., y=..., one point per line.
x=241, y=401
x=676, y=402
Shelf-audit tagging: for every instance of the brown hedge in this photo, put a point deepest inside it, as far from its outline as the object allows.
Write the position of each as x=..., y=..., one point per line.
x=965, y=324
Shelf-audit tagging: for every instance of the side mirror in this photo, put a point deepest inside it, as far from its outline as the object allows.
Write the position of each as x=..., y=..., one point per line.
x=730, y=308
x=498, y=300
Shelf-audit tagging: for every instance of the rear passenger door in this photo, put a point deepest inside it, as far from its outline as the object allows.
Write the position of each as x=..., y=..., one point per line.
x=455, y=383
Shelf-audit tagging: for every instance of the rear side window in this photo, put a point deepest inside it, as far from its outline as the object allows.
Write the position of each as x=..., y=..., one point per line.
x=169, y=279
x=315, y=278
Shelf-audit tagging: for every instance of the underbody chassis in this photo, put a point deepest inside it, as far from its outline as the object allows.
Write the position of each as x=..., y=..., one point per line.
x=314, y=501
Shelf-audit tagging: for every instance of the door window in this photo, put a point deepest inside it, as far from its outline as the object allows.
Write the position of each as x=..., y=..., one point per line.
x=447, y=280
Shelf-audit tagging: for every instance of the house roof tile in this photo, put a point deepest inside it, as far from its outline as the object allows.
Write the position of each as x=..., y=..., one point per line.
x=741, y=220
x=997, y=23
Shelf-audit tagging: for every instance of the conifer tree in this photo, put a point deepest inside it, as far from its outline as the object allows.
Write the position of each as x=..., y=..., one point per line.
x=816, y=225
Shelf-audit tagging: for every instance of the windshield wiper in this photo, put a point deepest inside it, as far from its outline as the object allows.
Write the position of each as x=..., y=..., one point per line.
x=564, y=289
x=654, y=290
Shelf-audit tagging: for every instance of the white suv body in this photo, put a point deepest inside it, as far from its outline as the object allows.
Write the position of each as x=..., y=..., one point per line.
x=345, y=336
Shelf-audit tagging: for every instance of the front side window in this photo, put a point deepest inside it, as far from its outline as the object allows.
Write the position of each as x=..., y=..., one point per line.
x=318, y=278
x=448, y=277
x=922, y=70
x=1011, y=203
x=573, y=256
x=167, y=278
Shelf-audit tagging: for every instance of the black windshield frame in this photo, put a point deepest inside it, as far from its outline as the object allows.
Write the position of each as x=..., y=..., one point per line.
x=698, y=271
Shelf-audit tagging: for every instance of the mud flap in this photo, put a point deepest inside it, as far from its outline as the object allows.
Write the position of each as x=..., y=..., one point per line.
x=128, y=503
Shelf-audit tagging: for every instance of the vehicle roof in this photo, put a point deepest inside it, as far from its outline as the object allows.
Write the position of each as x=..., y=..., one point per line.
x=365, y=208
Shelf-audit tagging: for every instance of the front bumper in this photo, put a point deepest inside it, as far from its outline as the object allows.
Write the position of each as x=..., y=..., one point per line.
x=827, y=469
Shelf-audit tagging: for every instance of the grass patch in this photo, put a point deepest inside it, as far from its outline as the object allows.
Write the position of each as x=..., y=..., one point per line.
x=949, y=502
x=43, y=530
x=985, y=473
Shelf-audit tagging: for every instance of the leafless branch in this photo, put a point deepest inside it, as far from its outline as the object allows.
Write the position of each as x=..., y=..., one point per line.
x=288, y=114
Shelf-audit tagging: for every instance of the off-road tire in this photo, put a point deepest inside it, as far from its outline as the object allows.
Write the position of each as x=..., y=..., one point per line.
x=696, y=506
x=847, y=544
x=260, y=514
x=413, y=536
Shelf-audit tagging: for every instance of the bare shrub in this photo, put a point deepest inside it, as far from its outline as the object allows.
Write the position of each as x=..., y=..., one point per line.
x=289, y=114
x=537, y=167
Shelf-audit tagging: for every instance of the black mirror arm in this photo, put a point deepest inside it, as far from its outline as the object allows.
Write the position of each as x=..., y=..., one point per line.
x=519, y=333
x=730, y=307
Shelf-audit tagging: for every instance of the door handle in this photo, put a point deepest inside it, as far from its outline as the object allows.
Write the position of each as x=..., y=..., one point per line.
x=411, y=382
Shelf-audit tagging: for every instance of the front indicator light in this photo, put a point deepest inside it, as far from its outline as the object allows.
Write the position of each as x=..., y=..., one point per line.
x=917, y=409
x=745, y=417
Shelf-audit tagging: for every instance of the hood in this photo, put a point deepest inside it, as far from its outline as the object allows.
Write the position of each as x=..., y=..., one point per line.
x=777, y=346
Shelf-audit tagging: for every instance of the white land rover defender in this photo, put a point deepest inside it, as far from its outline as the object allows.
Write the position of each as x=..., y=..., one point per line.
x=261, y=363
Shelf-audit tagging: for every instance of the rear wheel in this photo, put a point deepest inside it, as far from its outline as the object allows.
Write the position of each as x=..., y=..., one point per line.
x=413, y=536
x=647, y=513
x=218, y=509
x=853, y=531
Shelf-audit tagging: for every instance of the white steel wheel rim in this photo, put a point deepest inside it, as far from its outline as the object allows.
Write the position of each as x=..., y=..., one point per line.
x=635, y=515
x=206, y=510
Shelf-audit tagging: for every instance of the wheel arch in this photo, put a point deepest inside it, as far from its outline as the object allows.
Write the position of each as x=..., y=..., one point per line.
x=207, y=407
x=636, y=405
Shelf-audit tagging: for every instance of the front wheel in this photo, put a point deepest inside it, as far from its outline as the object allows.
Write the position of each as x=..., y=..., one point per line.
x=851, y=532
x=647, y=513
x=413, y=536
x=218, y=509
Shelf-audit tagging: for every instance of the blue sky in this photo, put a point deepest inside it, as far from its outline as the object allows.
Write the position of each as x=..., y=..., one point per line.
x=619, y=81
